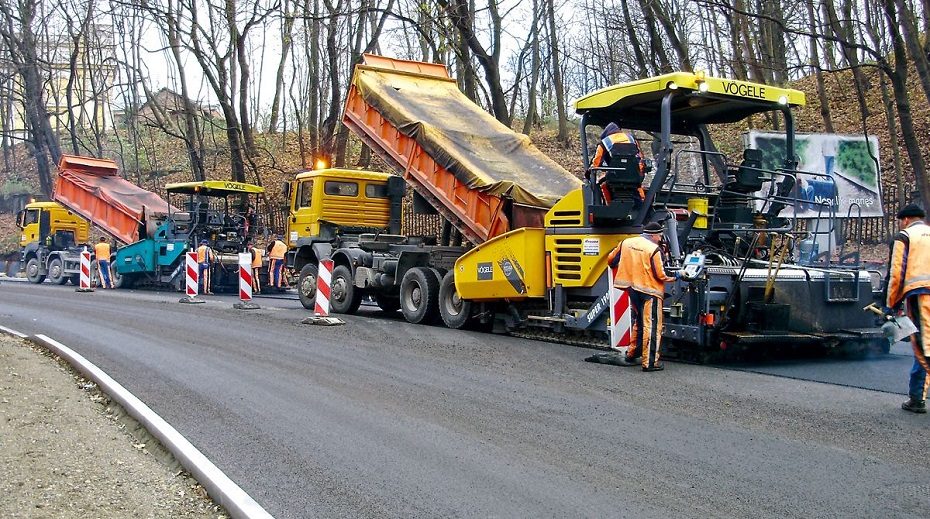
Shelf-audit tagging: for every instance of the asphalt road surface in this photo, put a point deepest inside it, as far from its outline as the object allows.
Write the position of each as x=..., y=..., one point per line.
x=387, y=419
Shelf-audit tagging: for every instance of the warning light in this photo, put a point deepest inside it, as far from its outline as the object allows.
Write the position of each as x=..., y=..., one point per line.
x=320, y=164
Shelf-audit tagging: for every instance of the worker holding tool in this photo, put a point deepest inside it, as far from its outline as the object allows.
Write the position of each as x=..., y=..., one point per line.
x=909, y=282
x=205, y=259
x=276, y=252
x=641, y=272
x=102, y=256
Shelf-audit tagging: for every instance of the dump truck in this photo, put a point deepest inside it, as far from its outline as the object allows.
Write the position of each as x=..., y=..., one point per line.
x=155, y=234
x=51, y=242
x=524, y=243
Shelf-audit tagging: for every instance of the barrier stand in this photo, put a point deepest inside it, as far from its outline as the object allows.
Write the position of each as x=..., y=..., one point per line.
x=245, y=283
x=619, y=328
x=321, y=306
x=193, y=274
x=84, y=285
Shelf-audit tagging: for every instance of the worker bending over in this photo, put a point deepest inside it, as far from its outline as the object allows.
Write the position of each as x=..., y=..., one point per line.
x=909, y=282
x=641, y=272
x=102, y=255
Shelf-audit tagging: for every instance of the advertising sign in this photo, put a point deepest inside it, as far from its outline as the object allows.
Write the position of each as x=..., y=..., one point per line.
x=836, y=172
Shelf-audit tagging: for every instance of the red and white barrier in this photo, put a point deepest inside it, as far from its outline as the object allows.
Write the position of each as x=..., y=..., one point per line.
x=324, y=280
x=85, y=273
x=245, y=277
x=621, y=315
x=193, y=274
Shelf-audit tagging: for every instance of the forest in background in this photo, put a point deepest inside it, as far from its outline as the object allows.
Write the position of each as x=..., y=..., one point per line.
x=259, y=84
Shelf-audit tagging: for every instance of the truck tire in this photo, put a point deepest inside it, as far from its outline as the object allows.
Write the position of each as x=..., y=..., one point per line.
x=387, y=304
x=306, y=285
x=32, y=271
x=122, y=280
x=344, y=297
x=454, y=311
x=56, y=272
x=419, y=295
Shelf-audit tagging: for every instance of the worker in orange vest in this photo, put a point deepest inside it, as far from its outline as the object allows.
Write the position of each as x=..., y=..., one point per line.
x=908, y=284
x=205, y=260
x=256, y=266
x=276, y=252
x=610, y=137
x=641, y=272
x=102, y=256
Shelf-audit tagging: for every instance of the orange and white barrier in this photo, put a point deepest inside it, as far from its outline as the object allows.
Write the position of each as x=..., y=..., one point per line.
x=621, y=315
x=85, y=273
x=193, y=274
x=324, y=280
x=245, y=277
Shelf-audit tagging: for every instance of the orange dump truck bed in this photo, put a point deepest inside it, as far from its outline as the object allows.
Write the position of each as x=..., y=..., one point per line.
x=482, y=176
x=92, y=188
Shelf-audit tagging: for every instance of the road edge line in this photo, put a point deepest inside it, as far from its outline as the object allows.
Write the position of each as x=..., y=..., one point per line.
x=222, y=489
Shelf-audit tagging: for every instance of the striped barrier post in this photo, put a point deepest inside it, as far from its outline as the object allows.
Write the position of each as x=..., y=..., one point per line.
x=323, y=282
x=245, y=283
x=192, y=274
x=85, y=273
x=621, y=315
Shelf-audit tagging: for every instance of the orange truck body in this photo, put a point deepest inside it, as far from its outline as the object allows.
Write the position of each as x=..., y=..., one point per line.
x=93, y=189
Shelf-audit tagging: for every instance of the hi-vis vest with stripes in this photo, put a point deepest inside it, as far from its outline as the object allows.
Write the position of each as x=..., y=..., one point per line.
x=641, y=267
x=910, y=263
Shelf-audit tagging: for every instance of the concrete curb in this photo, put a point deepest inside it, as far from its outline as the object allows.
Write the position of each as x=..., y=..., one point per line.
x=222, y=489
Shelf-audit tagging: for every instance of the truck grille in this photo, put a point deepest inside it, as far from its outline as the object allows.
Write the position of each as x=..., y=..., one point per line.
x=566, y=260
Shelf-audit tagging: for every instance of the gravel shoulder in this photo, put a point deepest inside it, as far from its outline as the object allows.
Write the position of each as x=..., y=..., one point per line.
x=67, y=451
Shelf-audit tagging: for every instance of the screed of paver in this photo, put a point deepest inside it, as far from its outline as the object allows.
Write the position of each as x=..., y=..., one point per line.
x=66, y=451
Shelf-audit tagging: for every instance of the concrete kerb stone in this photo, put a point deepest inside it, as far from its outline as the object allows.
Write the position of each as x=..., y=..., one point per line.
x=222, y=489
x=191, y=300
x=246, y=305
x=322, y=321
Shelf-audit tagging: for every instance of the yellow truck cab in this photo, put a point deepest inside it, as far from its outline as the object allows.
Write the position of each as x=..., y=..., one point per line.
x=328, y=207
x=51, y=240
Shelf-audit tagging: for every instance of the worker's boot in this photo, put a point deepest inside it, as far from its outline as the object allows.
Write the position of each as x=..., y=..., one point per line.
x=915, y=406
x=656, y=367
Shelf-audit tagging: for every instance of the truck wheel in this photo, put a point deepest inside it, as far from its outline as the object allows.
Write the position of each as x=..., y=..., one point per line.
x=387, y=304
x=306, y=286
x=419, y=295
x=33, y=271
x=56, y=272
x=454, y=310
x=122, y=280
x=344, y=297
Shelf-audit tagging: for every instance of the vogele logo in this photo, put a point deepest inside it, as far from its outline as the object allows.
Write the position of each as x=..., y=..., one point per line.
x=744, y=90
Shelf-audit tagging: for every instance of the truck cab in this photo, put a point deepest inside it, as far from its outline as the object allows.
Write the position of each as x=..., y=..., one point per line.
x=50, y=239
x=330, y=208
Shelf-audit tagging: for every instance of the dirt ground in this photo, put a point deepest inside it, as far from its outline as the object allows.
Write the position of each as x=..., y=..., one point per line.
x=67, y=451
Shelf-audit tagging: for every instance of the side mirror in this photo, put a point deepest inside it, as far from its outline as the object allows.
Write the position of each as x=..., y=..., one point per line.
x=286, y=192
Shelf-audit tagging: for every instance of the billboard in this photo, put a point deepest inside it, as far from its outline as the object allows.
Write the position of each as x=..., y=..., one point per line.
x=835, y=171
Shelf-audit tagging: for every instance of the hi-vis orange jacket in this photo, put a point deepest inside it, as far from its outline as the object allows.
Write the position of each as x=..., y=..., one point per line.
x=640, y=267
x=256, y=257
x=909, y=270
x=102, y=251
x=605, y=146
x=204, y=254
x=278, y=250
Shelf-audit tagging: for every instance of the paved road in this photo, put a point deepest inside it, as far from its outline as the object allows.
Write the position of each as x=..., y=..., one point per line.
x=383, y=418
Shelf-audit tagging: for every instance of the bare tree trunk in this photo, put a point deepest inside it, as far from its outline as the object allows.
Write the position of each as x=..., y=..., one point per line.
x=912, y=42
x=534, y=72
x=286, y=41
x=557, y=83
x=898, y=80
x=893, y=139
x=818, y=72
x=633, y=38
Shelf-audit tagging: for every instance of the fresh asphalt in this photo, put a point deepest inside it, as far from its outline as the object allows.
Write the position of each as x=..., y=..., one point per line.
x=381, y=418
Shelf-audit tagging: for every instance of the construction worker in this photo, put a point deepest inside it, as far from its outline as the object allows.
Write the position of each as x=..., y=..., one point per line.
x=256, y=266
x=102, y=255
x=276, y=251
x=611, y=136
x=205, y=260
x=641, y=272
x=909, y=282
